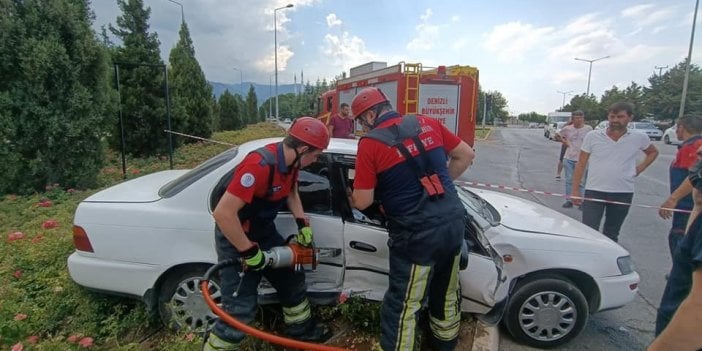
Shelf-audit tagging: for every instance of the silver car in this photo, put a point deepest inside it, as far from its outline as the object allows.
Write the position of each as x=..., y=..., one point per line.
x=647, y=128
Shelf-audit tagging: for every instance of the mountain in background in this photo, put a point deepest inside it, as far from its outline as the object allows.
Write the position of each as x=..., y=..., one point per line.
x=263, y=91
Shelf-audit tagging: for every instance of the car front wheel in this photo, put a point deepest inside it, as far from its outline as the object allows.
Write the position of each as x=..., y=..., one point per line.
x=181, y=304
x=546, y=313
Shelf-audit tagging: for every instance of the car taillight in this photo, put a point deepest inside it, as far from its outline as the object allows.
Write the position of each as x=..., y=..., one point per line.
x=80, y=239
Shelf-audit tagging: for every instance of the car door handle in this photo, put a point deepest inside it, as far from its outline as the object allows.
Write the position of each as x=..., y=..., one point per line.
x=362, y=246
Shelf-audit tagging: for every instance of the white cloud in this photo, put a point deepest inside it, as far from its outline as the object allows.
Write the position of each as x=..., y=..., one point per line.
x=586, y=23
x=590, y=45
x=511, y=41
x=427, y=34
x=648, y=15
x=563, y=77
x=333, y=21
x=346, y=50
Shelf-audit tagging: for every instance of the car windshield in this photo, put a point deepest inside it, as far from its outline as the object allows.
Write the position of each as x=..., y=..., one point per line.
x=177, y=185
x=644, y=126
x=487, y=215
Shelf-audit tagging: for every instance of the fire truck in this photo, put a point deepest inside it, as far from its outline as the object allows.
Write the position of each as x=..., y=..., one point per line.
x=447, y=93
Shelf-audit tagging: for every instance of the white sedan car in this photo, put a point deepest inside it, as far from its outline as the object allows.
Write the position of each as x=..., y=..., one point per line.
x=540, y=272
x=670, y=136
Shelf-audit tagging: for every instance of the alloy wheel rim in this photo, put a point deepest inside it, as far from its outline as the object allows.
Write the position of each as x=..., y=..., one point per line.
x=547, y=316
x=189, y=308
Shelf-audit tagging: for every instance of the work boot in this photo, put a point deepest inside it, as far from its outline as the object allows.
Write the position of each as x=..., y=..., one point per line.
x=567, y=204
x=215, y=343
x=315, y=332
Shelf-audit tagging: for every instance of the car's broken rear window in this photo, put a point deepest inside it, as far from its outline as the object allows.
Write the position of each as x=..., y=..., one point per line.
x=182, y=182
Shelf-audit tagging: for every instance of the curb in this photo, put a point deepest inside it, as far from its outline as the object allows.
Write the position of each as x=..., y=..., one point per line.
x=485, y=337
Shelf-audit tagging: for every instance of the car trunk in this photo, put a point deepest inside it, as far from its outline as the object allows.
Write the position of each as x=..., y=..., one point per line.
x=142, y=189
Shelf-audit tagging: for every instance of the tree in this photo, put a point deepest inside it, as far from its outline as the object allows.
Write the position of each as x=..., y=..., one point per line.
x=230, y=117
x=216, y=125
x=589, y=105
x=190, y=91
x=251, y=106
x=532, y=117
x=662, y=98
x=632, y=94
x=142, y=96
x=54, y=98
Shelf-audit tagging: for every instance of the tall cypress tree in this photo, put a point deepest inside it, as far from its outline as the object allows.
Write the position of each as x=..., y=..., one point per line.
x=251, y=106
x=54, y=96
x=143, y=101
x=190, y=90
x=229, y=112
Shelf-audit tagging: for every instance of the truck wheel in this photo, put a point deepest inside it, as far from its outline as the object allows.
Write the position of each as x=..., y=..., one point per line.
x=546, y=313
x=181, y=305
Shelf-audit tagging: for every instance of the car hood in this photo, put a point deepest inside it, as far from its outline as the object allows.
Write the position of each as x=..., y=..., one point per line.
x=527, y=216
x=142, y=189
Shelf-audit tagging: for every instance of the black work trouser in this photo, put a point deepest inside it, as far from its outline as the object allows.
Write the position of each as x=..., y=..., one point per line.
x=614, y=213
x=423, y=265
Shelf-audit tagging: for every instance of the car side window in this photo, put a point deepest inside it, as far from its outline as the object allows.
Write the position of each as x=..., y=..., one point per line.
x=315, y=188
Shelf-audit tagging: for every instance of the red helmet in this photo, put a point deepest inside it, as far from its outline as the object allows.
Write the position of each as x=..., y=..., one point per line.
x=366, y=99
x=310, y=131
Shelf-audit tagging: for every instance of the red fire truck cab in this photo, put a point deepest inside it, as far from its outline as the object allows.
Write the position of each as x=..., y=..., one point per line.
x=449, y=94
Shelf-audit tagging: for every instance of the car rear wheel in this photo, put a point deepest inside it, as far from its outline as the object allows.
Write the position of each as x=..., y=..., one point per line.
x=666, y=139
x=546, y=313
x=181, y=304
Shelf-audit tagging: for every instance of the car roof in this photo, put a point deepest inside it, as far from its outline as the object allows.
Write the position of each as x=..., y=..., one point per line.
x=336, y=145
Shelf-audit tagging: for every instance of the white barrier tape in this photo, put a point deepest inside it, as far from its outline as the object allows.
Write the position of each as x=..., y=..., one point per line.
x=506, y=187
x=198, y=138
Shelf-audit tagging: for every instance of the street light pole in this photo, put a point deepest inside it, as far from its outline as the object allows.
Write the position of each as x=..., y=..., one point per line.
x=182, y=14
x=241, y=77
x=270, y=99
x=564, y=95
x=589, y=73
x=275, y=49
x=687, y=63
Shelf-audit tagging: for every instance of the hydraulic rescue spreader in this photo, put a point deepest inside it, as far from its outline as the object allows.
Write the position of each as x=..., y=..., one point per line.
x=291, y=255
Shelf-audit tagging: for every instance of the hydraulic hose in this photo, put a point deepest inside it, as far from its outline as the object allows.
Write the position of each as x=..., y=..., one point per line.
x=257, y=333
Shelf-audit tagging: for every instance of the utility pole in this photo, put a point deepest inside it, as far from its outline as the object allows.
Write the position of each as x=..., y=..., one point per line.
x=660, y=69
x=564, y=95
x=687, y=63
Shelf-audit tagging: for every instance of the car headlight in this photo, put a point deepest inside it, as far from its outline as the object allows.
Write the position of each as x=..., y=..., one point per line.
x=626, y=265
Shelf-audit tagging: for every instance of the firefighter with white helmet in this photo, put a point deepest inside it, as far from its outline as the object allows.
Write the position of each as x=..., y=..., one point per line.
x=402, y=162
x=245, y=206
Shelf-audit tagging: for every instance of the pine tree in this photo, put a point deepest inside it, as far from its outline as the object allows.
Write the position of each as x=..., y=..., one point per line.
x=229, y=112
x=190, y=91
x=143, y=103
x=251, y=106
x=54, y=97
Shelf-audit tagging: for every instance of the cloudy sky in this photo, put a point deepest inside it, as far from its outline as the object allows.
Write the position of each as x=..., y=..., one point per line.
x=524, y=49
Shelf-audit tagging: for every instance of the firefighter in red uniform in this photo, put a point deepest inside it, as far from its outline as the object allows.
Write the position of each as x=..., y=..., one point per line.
x=402, y=161
x=244, y=213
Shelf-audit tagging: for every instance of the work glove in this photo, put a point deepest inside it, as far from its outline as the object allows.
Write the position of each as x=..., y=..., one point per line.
x=253, y=258
x=304, y=234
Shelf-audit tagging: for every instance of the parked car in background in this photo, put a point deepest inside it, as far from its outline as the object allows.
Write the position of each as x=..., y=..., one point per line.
x=538, y=270
x=647, y=128
x=533, y=125
x=602, y=125
x=670, y=137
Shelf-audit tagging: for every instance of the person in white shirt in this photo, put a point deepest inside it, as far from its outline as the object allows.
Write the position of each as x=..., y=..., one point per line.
x=572, y=137
x=610, y=155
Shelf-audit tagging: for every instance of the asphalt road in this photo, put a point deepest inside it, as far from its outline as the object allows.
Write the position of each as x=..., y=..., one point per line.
x=523, y=158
